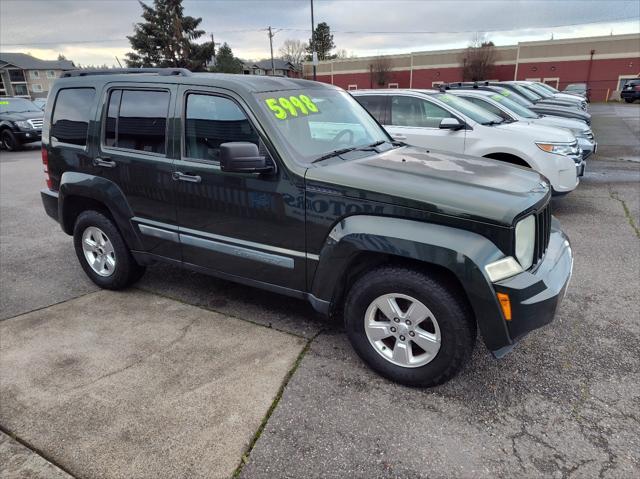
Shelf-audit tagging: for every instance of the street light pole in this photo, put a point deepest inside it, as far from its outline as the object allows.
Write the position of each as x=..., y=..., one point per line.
x=273, y=66
x=313, y=43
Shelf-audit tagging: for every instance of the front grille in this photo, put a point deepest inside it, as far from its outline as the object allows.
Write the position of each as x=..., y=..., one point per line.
x=36, y=124
x=543, y=232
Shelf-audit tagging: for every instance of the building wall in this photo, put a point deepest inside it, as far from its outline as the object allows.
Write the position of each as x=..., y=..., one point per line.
x=559, y=62
x=43, y=82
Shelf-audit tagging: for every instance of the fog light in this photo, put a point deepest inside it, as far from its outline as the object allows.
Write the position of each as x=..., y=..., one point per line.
x=505, y=304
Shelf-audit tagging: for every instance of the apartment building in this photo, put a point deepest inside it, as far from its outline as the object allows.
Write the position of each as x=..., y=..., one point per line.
x=25, y=76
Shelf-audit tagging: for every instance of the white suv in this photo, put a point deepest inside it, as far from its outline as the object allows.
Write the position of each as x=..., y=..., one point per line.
x=441, y=121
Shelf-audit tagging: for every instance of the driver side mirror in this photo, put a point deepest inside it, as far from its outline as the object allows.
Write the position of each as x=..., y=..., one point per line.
x=450, y=124
x=242, y=157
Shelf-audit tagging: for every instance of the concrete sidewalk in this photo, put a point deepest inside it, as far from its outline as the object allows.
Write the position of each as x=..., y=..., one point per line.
x=122, y=385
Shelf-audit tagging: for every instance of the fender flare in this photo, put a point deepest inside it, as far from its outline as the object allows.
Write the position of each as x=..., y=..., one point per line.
x=459, y=251
x=104, y=191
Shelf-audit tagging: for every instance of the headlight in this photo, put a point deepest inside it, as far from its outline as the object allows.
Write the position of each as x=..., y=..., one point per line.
x=525, y=241
x=23, y=125
x=566, y=149
x=503, y=268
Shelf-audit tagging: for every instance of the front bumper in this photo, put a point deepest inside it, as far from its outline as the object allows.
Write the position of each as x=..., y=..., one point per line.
x=536, y=294
x=589, y=147
x=27, y=136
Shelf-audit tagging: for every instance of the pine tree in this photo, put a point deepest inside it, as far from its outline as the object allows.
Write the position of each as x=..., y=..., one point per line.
x=323, y=42
x=166, y=38
x=226, y=62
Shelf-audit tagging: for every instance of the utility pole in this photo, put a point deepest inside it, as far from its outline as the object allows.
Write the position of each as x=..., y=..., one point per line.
x=314, y=55
x=273, y=66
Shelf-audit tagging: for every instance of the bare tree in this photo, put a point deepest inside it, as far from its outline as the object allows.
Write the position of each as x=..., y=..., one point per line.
x=293, y=51
x=478, y=60
x=381, y=70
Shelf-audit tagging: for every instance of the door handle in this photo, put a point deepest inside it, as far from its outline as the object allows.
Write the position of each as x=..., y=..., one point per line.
x=106, y=162
x=178, y=176
x=399, y=137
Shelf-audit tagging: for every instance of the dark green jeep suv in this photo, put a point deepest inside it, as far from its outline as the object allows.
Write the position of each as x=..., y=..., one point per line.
x=291, y=186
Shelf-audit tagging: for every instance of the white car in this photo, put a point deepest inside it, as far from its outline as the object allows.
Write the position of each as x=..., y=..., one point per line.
x=442, y=121
x=509, y=110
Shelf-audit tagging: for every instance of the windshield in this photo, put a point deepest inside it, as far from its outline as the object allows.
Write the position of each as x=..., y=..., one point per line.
x=519, y=99
x=17, y=105
x=520, y=110
x=547, y=87
x=525, y=92
x=314, y=123
x=576, y=86
x=469, y=109
x=539, y=90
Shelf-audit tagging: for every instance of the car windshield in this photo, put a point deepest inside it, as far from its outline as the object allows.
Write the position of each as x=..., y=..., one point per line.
x=318, y=122
x=543, y=92
x=549, y=88
x=520, y=110
x=17, y=105
x=476, y=113
x=525, y=92
x=576, y=87
x=519, y=99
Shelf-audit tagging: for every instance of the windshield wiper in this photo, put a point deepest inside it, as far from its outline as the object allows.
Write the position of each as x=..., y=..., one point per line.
x=335, y=153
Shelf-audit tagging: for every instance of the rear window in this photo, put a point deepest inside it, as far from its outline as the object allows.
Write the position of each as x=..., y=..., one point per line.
x=137, y=120
x=70, y=121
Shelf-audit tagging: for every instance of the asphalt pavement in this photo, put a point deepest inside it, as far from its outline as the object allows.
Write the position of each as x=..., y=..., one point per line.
x=189, y=376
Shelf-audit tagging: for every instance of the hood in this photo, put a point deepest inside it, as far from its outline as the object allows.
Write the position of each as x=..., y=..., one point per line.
x=465, y=187
x=537, y=132
x=545, y=109
x=568, y=97
x=556, y=121
x=559, y=102
x=27, y=115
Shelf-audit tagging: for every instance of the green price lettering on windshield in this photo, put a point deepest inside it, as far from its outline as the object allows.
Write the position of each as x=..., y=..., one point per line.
x=4, y=102
x=288, y=107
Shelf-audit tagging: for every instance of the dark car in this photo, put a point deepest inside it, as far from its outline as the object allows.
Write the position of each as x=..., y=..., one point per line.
x=578, y=89
x=541, y=108
x=631, y=91
x=291, y=186
x=20, y=122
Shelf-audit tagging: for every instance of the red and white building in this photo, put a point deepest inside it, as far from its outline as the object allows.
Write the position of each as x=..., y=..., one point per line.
x=604, y=63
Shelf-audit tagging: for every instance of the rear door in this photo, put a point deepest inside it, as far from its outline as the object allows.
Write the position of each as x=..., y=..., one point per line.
x=135, y=154
x=416, y=121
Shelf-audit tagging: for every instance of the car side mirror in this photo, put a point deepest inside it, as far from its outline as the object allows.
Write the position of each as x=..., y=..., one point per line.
x=242, y=157
x=450, y=124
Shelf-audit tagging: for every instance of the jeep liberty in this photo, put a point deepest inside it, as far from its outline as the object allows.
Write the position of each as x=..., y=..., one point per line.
x=291, y=186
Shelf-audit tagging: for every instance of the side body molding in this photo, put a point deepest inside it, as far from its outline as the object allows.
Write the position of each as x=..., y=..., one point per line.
x=461, y=252
x=106, y=192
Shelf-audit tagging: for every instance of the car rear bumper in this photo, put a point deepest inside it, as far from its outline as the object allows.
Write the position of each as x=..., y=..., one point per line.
x=535, y=295
x=630, y=94
x=50, y=202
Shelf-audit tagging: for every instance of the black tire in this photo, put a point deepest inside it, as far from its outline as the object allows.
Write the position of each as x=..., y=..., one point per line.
x=126, y=270
x=9, y=140
x=455, y=320
x=629, y=100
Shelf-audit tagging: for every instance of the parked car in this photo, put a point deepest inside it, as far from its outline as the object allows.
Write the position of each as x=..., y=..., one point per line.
x=291, y=186
x=631, y=91
x=509, y=110
x=540, y=108
x=549, y=96
x=578, y=89
x=441, y=121
x=20, y=122
x=40, y=102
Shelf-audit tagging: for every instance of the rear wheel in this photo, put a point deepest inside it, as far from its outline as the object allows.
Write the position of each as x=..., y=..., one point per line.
x=102, y=252
x=629, y=100
x=9, y=140
x=408, y=326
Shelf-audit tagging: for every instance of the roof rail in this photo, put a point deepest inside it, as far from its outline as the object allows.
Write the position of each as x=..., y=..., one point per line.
x=118, y=71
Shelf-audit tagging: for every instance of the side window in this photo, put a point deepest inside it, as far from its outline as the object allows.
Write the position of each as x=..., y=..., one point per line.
x=411, y=111
x=137, y=120
x=70, y=121
x=211, y=120
x=374, y=105
x=487, y=106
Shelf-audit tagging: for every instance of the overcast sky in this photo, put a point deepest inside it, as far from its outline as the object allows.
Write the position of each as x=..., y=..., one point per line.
x=94, y=31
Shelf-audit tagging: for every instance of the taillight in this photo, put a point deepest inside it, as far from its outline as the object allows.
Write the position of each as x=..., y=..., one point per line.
x=45, y=162
x=637, y=87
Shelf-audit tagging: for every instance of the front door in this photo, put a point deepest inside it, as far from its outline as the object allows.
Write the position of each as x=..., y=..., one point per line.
x=416, y=121
x=239, y=224
x=134, y=153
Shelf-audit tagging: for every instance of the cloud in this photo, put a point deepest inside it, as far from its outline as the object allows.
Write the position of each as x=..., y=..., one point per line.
x=94, y=32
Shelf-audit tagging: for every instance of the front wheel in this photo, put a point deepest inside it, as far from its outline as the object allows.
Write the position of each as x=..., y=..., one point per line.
x=629, y=100
x=9, y=140
x=408, y=326
x=102, y=252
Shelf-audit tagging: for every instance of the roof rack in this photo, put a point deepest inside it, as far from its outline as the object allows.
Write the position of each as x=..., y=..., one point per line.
x=119, y=71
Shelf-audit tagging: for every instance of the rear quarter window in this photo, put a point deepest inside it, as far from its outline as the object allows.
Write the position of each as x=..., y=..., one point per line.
x=70, y=121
